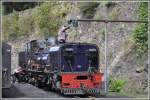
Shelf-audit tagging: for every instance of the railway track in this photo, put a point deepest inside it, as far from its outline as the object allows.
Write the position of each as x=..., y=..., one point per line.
x=24, y=90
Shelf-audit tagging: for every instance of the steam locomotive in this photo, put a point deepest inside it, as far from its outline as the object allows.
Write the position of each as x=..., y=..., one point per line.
x=71, y=68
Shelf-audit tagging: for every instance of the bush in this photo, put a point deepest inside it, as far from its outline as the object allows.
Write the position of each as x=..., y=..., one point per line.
x=115, y=14
x=8, y=7
x=116, y=85
x=109, y=4
x=44, y=19
x=140, y=34
x=25, y=25
x=41, y=18
x=14, y=26
x=10, y=26
x=5, y=28
x=88, y=8
x=49, y=17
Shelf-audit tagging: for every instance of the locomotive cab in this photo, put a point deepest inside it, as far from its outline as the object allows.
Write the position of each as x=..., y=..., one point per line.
x=79, y=58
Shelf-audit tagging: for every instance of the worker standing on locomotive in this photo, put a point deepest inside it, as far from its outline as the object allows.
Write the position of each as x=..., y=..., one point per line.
x=62, y=34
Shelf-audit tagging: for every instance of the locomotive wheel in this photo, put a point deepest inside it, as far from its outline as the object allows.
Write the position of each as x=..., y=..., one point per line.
x=26, y=79
x=62, y=93
x=53, y=87
x=38, y=84
x=30, y=81
x=13, y=79
x=58, y=85
x=48, y=86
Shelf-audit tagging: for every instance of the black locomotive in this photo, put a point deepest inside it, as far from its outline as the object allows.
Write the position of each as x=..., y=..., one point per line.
x=71, y=68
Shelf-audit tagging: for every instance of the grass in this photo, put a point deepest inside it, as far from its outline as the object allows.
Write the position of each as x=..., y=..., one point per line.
x=140, y=33
x=88, y=8
x=97, y=17
x=114, y=15
x=102, y=32
x=116, y=85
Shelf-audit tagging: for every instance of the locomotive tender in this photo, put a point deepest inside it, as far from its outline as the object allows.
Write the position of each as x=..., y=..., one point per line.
x=71, y=68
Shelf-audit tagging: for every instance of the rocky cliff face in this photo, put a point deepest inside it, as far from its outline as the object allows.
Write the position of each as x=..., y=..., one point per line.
x=122, y=60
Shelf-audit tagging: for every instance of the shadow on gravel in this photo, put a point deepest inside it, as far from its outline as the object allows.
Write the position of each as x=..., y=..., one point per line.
x=11, y=92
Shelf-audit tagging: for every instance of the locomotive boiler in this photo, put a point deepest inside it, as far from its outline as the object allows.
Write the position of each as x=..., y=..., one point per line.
x=71, y=68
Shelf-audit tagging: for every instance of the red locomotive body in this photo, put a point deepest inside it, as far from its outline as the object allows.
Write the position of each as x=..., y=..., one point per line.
x=81, y=83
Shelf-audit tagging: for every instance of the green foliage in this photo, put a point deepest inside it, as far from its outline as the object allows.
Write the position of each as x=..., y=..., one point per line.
x=8, y=7
x=25, y=25
x=141, y=31
x=49, y=17
x=5, y=10
x=97, y=17
x=116, y=85
x=109, y=4
x=10, y=26
x=114, y=14
x=44, y=20
x=102, y=32
x=14, y=27
x=41, y=18
x=88, y=8
x=143, y=11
